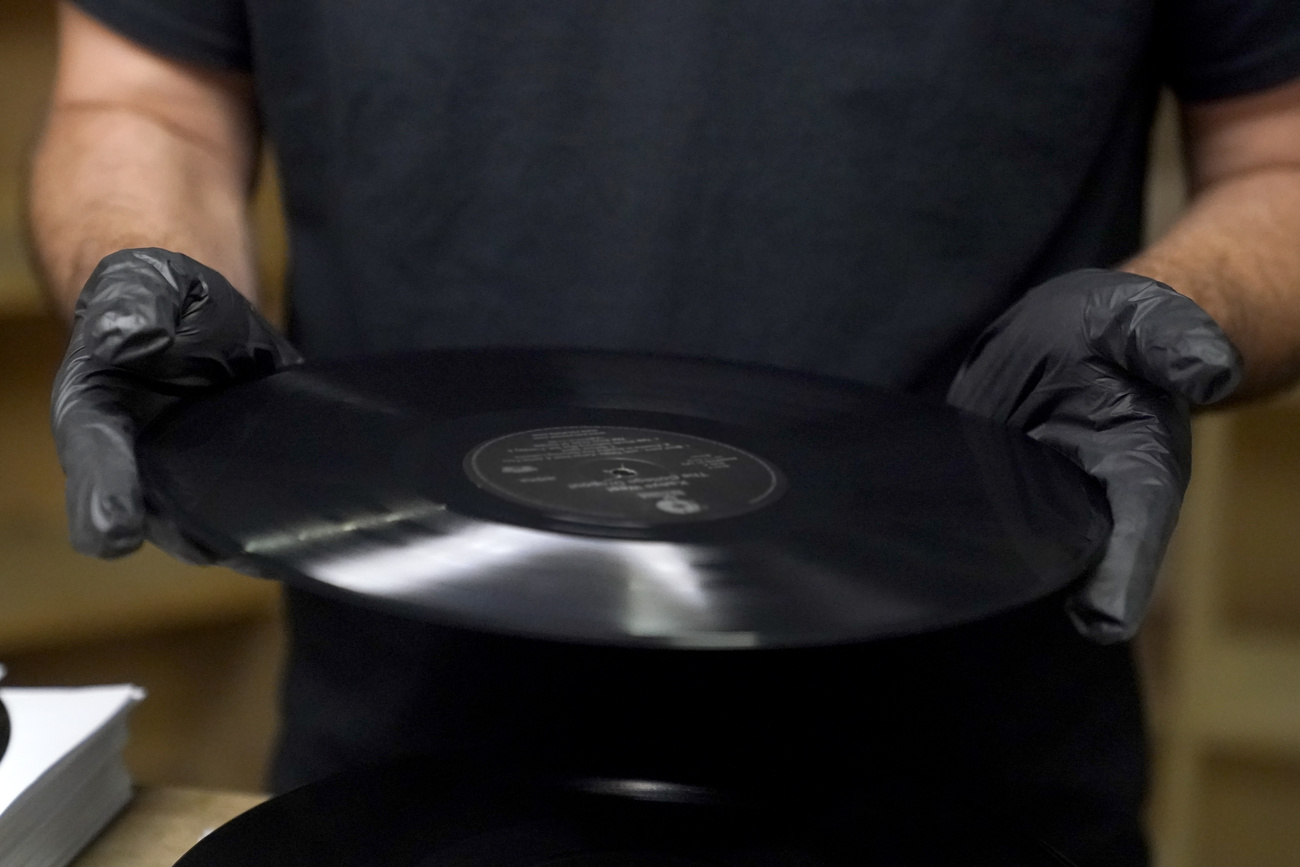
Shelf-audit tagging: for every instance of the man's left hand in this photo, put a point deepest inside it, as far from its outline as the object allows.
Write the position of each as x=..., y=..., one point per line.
x=1103, y=366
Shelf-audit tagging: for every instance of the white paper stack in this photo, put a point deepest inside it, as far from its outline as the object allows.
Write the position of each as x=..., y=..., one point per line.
x=62, y=778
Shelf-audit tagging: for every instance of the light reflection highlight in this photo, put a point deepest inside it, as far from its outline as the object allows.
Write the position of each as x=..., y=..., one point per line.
x=412, y=567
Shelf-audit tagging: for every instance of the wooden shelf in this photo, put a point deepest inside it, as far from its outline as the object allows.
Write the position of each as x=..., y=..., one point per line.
x=52, y=597
x=1248, y=693
x=19, y=295
x=27, y=46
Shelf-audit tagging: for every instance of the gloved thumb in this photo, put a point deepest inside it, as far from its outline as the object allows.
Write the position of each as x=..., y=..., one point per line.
x=104, y=504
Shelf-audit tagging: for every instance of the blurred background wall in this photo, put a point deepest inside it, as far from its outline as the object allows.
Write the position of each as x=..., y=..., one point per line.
x=1221, y=652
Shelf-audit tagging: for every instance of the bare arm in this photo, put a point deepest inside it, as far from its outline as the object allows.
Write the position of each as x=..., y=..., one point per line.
x=139, y=150
x=1236, y=251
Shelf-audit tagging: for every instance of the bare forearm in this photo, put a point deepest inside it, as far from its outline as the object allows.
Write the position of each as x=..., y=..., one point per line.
x=106, y=177
x=1236, y=252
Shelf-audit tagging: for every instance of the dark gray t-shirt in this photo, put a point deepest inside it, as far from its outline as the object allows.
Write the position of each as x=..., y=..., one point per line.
x=851, y=187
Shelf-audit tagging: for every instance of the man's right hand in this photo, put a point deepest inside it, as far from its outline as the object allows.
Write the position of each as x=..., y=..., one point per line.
x=150, y=327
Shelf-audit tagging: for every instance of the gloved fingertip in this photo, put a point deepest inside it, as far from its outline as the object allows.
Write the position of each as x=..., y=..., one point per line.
x=108, y=527
x=107, y=546
x=1218, y=379
x=1097, y=626
x=1112, y=601
x=289, y=356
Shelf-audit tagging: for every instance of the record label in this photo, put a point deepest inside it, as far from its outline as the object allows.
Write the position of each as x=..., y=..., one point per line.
x=624, y=474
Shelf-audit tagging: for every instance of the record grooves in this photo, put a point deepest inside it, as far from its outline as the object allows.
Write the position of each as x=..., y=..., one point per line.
x=621, y=499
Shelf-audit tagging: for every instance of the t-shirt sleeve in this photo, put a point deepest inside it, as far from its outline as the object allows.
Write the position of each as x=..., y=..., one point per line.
x=206, y=32
x=1219, y=48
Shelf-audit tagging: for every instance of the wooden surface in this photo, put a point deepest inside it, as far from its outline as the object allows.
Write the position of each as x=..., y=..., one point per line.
x=161, y=825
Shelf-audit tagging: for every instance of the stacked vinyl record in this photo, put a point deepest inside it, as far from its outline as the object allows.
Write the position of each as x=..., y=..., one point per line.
x=417, y=816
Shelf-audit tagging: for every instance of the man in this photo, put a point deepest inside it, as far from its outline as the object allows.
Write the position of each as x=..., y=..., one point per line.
x=857, y=189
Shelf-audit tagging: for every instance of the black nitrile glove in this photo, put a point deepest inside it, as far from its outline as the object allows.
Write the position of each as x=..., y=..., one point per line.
x=1103, y=365
x=150, y=327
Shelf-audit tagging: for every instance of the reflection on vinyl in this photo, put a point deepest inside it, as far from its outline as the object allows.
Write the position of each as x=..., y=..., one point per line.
x=418, y=816
x=622, y=499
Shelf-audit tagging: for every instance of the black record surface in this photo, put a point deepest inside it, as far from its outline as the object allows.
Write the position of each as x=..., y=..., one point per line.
x=4, y=729
x=420, y=816
x=624, y=499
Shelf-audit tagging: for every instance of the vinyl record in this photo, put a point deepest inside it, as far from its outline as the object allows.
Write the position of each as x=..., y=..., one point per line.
x=623, y=499
x=4, y=729
x=417, y=816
